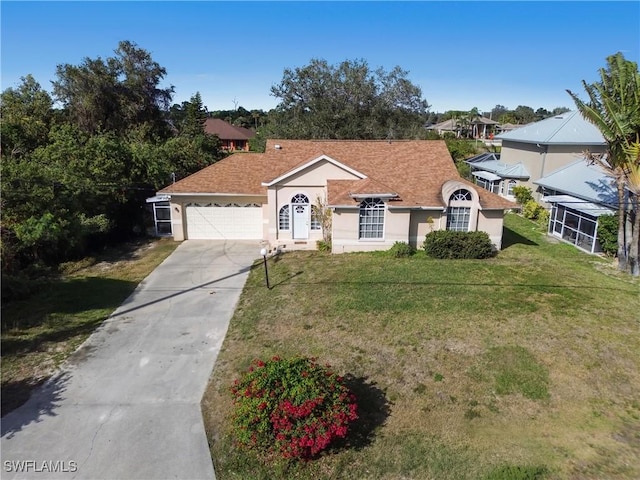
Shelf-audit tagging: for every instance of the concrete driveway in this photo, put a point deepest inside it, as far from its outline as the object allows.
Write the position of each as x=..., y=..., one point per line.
x=127, y=404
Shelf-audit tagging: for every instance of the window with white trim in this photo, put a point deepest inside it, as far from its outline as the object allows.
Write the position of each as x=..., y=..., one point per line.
x=458, y=219
x=459, y=215
x=512, y=183
x=300, y=199
x=283, y=218
x=315, y=221
x=461, y=195
x=371, y=223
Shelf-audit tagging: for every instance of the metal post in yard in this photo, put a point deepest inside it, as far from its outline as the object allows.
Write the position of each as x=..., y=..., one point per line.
x=263, y=252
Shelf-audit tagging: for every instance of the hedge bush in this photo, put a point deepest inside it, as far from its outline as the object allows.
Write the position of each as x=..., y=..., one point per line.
x=533, y=210
x=292, y=407
x=402, y=250
x=523, y=194
x=446, y=244
x=608, y=233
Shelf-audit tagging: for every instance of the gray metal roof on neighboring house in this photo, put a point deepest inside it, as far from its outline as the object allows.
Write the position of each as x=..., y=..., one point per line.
x=490, y=162
x=582, y=180
x=589, y=208
x=568, y=128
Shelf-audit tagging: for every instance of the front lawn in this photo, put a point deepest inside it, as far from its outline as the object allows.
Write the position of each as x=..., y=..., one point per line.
x=526, y=365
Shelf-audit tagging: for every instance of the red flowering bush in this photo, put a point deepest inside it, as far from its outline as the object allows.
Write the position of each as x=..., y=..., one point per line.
x=293, y=407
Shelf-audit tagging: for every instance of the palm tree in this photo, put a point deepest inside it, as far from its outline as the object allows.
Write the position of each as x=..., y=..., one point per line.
x=614, y=108
x=633, y=184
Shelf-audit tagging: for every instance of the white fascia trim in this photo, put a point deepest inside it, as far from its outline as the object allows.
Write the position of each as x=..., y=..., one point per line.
x=414, y=207
x=373, y=195
x=217, y=194
x=159, y=198
x=309, y=164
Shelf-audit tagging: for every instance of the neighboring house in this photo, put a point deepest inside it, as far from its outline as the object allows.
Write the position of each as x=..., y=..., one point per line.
x=479, y=127
x=579, y=193
x=379, y=192
x=507, y=127
x=233, y=138
x=496, y=176
x=443, y=127
x=537, y=149
x=483, y=127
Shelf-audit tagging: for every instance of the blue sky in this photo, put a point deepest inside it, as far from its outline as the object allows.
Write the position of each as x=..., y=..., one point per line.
x=462, y=54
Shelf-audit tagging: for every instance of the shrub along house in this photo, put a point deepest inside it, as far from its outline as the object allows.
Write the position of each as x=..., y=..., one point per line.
x=378, y=192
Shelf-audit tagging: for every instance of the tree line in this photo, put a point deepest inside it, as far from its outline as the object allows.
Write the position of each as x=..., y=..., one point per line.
x=77, y=165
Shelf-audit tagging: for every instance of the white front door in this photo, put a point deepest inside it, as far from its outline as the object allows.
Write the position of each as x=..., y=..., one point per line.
x=300, y=221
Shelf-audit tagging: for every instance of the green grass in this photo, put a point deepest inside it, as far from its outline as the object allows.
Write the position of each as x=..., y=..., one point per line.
x=528, y=362
x=41, y=331
x=516, y=370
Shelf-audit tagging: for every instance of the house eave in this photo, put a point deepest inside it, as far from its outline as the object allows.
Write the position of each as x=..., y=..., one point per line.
x=373, y=195
x=215, y=194
x=415, y=207
x=543, y=142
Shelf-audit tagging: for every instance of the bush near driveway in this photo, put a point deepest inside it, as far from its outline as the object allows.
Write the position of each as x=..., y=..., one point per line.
x=293, y=407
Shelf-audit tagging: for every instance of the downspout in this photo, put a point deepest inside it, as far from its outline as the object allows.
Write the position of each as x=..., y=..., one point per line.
x=544, y=160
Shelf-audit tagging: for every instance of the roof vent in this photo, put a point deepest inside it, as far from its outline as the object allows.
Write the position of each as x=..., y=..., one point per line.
x=277, y=146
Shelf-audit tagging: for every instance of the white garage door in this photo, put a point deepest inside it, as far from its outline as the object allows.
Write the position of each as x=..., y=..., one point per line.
x=231, y=221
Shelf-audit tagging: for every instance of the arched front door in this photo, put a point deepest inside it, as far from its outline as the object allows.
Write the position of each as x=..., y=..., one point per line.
x=300, y=216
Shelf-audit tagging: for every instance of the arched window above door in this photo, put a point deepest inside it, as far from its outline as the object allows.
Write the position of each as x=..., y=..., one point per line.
x=300, y=199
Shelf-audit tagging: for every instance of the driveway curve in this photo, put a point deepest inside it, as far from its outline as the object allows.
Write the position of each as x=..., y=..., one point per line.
x=126, y=405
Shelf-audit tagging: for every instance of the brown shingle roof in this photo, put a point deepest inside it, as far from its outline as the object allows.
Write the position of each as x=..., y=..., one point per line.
x=226, y=131
x=414, y=169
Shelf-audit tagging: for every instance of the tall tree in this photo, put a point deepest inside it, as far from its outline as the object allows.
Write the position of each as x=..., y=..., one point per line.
x=498, y=111
x=524, y=114
x=188, y=118
x=542, y=113
x=633, y=184
x=614, y=108
x=25, y=116
x=347, y=101
x=115, y=94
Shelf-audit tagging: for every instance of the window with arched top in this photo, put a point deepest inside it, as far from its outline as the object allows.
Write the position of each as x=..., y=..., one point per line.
x=461, y=195
x=300, y=199
x=371, y=218
x=458, y=216
x=283, y=218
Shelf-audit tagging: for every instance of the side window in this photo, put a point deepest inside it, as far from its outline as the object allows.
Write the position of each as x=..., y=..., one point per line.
x=283, y=218
x=459, y=215
x=371, y=223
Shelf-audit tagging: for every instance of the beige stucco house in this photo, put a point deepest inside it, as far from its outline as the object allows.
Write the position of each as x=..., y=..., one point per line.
x=533, y=151
x=379, y=192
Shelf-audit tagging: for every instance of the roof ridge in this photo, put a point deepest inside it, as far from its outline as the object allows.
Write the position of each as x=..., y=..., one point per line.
x=569, y=115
